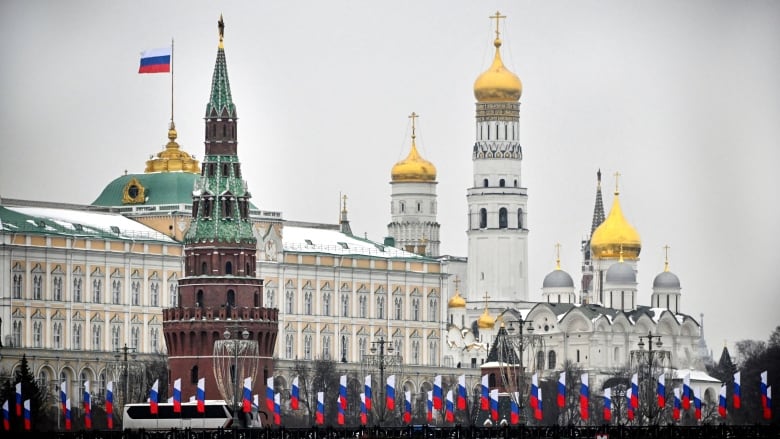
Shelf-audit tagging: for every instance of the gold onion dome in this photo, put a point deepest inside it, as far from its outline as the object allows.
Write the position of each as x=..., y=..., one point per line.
x=485, y=321
x=172, y=159
x=457, y=301
x=497, y=84
x=413, y=167
x=614, y=235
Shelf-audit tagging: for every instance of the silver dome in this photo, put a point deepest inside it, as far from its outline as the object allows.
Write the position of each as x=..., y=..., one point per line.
x=666, y=279
x=621, y=273
x=558, y=279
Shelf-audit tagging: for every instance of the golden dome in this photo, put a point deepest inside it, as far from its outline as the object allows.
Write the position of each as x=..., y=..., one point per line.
x=413, y=167
x=615, y=235
x=172, y=159
x=497, y=84
x=457, y=301
x=485, y=321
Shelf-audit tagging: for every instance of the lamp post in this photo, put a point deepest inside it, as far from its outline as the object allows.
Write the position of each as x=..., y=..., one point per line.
x=651, y=355
x=236, y=341
x=381, y=360
x=125, y=372
x=518, y=342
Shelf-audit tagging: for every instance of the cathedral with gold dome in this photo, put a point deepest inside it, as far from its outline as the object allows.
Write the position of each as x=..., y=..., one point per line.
x=337, y=295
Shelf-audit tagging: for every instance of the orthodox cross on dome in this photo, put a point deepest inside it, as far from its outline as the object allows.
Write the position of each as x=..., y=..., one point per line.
x=457, y=283
x=486, y=299
x=617, y=186
x=666, y=257
x=558, y=256
x=498, y=17
x=413, y=116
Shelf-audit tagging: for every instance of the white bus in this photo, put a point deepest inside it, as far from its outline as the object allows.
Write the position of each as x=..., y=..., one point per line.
x=217, y=415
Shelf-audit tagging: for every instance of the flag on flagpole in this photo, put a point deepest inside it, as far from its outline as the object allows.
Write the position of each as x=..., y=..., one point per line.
x=343, y=392
x=407, y=407
x=686, y=393
x=437, y=395
x=177, y=395
x=539, y=412
x=534, y=396
x=429, y=406
x=156, y=60
x=768, y=407
x=6, y=417
x=319, y=417
x=363, y=410
x=763, y=388
x=294, y=395
x=494, y=404
x=368, y=392
x=462, y=401
x=676, y=405
x=153, y=398
x=269, y=394
x=484, y=401
x=697, y=404
x=661, y=391
x=27, y=425
x=340, y=413
x=562, y=390
x=629, y=407
x=201, y=395
x=87, y=407
x=67, y=414
x=449, y=413
x=110, y=405
x=635, y=391
x=514, y=416
x=277, y=408
x=737, y=391
x=607, y=405
x=722, y=401
x=390, y=392
x=63, y=395
x=19, y=399
x=248, y=395
x=584, y=397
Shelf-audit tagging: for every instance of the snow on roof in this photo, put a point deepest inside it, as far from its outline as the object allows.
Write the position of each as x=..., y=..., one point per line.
x=107, y=222
x=696, y=375
x=315, y=240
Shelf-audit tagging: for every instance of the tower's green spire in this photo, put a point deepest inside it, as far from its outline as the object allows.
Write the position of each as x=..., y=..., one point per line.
x=220, y=101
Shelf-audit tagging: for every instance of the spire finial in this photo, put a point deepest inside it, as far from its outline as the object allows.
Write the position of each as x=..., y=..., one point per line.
x=221, y=26
x=598, y=177
x=617, y=180
x=498, y=17
x=558, y=256
x=344, y=203
x=486, y=300
x=457, y=283
x=413, y=116
x=666, y=257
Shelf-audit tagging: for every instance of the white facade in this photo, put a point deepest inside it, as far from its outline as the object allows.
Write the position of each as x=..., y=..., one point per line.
x=413, y=223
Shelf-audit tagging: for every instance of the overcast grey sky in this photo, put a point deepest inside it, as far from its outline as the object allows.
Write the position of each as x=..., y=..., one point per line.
x=682, y=98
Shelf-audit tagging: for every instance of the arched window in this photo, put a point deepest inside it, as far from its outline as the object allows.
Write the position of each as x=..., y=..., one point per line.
x=482, y=218
x=380, y=307
x=228, y=267
x=398, y=308
x=551, y=360
x=231, y=298
x=194, y=375
x=520, y=218
x=485, y=183
x=502, y=183
x=515, y=182
x=540, y=360
x=204, y=268
x=199, y=299
x=502, y=221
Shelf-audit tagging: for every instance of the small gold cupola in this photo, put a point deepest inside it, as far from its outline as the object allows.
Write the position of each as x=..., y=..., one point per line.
x=172, y=159
x=615, y=237
x=497, y=83
x=456, y=301
x=413, y=168
x=486, y=321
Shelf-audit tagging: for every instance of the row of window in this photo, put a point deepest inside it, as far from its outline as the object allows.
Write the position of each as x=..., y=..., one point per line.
x=209, y=169
x=402, y=207
x=226, y=205
x=363, y=349
x=498, y=131
x=415, y=313
x=503, y=218
x=57, y=336
x=77, y=291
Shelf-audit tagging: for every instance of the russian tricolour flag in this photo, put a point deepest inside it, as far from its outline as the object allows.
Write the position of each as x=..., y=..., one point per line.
x=6, y=417
x=676, y=405
x=429, y=406
x=437, y=394
x=722, y=401
x=514, y=416
x=87, y=407
x=177, y=395
x=390, y=400
x=19, y=399
x=661, y=392
x=697, y=404
x=462, y=392
x=494, y=405
x=534, y=396
x=201, y=395
x=562, y=390
x=27, y=425
x=763, y=388
x=67, y=414
x=277, y=408
x=539, y=412
x=737, y=392
x=343, y=392
x=635, y=391
x=407, y=407
x=63, y=396
x=153, y=398
x=156, y=60
x=368, y=392
x=295, y=395
x=629, y=405
x=484, y=401
x=607, y=405
x=248, y=395
x=110, y=405
x=340, y=413
x=363, y=410
x=319, y=416
x=686, y=394
x=584, y=397
x=768, y=407
x=449, y=408
x=269, y=394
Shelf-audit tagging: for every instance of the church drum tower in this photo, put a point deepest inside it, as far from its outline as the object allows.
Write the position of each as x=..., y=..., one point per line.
x=220, y=294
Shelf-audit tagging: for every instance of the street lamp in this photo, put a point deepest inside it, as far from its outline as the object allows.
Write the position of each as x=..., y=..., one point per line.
x=651, y=355
x=381, y=361
x=236, y=341
x=519, y=342
x=124, y=351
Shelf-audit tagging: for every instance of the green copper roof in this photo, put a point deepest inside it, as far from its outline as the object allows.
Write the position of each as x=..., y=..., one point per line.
x=159, y=188
x=220, y=99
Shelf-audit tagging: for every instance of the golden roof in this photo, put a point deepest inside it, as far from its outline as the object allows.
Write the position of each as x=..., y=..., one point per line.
x=457, y=301
x=497, y=84
x=172, y=159
x=616, y=235
x=485, y=321
x=413, y=167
